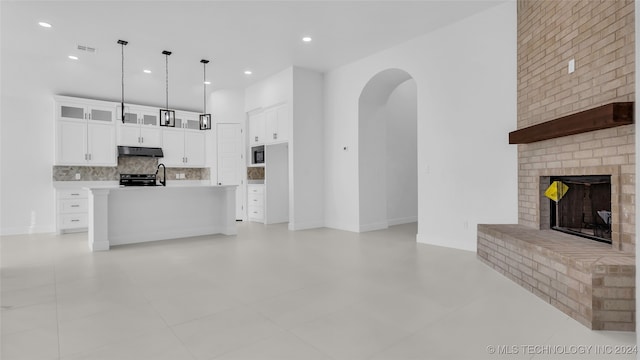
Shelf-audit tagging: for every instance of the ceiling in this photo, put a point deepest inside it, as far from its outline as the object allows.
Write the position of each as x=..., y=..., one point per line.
x=263, y=36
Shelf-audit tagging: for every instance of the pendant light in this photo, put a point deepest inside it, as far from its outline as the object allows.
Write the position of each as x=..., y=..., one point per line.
x=167, y=117
x=122, y=43
x=205, y=119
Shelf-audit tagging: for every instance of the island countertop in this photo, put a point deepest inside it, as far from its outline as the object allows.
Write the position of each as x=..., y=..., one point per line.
x=132, y=214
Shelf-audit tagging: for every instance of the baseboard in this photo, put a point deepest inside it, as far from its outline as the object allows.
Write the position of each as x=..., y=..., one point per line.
x=26, y=230
x=423, y=239
x=374, y=226
x=305, y=225
x=405, y=220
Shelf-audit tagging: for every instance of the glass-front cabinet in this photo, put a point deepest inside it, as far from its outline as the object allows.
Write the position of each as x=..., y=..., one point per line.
x=85, y=132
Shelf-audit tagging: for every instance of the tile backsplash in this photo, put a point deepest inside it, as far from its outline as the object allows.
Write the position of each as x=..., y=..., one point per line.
x=255, y=173
x=126, y=165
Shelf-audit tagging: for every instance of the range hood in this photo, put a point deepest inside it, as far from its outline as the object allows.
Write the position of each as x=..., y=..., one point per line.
x=139, y=151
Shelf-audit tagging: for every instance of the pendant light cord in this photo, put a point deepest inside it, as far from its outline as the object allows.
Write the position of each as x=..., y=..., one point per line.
x=122, y=98
x=204, y=82
x=167, y=80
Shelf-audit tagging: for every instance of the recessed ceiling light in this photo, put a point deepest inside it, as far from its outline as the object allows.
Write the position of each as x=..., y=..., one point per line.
x=147, y=71
x=307, y=39
x=248, y=72
x=207, y=82
x=72, y=57
x=44, y=24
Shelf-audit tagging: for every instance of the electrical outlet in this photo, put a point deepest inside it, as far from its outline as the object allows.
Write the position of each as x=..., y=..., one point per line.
x=182, y=176
x=177, y=176
x=78, y=176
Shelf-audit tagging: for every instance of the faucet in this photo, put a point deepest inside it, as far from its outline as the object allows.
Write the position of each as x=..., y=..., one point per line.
x=164, y=174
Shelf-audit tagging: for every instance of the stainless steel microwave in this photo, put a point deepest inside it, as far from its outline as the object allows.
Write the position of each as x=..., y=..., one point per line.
x=257, y=154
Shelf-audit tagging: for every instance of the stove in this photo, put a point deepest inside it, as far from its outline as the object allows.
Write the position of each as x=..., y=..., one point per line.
x=138, y=180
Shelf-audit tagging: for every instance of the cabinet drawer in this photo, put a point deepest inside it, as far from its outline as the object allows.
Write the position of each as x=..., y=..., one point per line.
x=71, y=221
x=255, y=189
x=74, y=205
x=256, y=212
x=72, y=194
x=255, y=199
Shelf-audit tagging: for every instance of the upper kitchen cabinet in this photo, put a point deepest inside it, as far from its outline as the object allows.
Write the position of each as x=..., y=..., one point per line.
x=257, y=128
x=85, y=132
x=82, y=109
x=184, y=145
x=277, y=124
x=269, y=126
x=140, y=127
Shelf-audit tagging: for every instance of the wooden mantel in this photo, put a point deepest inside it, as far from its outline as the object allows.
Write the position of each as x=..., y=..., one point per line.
x=602, y=117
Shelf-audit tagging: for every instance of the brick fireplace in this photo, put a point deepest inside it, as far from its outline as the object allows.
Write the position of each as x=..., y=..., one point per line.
x=592, y=282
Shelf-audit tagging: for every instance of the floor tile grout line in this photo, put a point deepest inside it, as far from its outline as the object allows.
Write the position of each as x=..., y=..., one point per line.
x=55, y=294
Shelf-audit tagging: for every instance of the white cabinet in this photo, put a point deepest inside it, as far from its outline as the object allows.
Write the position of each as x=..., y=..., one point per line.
x=194, y=148
x=81, y=109
x=255, y=202
x=140, y=127
x=276, y=124
x=257, y=128
x=72, y=210
x=184, y=146
x=100, y=144
x=269, y=126
x=268, y=203
x=85, y=132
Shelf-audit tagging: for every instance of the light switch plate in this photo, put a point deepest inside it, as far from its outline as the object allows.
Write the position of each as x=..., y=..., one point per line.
x=77, y=176
x=572, y=65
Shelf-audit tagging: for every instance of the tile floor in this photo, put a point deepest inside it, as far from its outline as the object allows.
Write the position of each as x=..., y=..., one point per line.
x=273, y=294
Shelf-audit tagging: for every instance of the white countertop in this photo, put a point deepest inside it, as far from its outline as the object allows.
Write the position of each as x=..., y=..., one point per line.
x=156, y=188
x=116, y=184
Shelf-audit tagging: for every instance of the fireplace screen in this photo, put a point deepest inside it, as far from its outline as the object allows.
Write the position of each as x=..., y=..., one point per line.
x=583, y=206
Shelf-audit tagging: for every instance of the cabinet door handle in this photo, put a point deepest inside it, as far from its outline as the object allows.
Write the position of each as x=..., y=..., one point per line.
x=89, y=156
x=275, y=136
x=75, y=194
x=89, y=116
x=75, y=205
x=256, y=139
x=142, y=139
x=75, y=220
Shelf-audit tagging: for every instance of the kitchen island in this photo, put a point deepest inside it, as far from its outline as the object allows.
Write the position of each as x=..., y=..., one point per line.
x=128, y=215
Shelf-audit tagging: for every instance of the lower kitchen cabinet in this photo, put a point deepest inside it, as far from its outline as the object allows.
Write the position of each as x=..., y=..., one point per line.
x=72, y=210
x=255, y=202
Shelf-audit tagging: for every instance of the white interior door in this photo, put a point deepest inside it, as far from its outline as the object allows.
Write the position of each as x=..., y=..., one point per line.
x=231, y=162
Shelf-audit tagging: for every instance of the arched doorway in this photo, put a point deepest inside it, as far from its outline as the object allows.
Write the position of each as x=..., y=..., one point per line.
x=387, y=151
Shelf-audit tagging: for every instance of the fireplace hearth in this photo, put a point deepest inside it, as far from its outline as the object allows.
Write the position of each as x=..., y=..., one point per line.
x=585, y=208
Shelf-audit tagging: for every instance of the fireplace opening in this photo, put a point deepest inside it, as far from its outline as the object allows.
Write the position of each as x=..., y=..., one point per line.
x=584, y=206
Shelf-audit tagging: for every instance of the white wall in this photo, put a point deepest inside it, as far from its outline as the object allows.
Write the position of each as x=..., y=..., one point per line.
x=402, y=154
x=306, y=149
x=274, y=90
x=637, y=11
x=467, y=172
x=27, y=150
x=372, y=150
